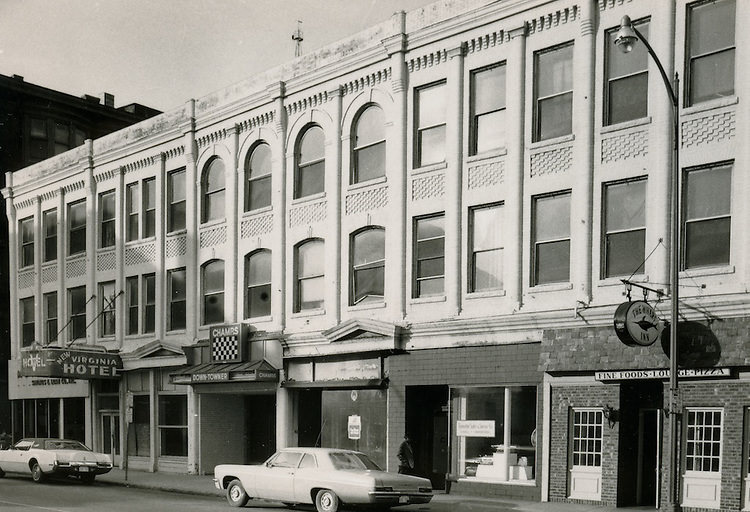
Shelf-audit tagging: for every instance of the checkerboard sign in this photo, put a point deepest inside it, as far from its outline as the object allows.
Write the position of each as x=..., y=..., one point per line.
x=227, y=344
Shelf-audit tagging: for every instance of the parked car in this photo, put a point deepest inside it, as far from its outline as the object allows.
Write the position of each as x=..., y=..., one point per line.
x=44, y=457
x=325, y=477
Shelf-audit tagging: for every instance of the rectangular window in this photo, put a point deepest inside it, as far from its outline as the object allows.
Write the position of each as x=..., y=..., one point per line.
x=176, y=201
x=77, y=309
x=486, y=242
x=139, y=438
x=50, y=317
x=703, y=440
x=430, y=106
x=429, y=256
x=624, y=241
x=488, y=109
x=707, y=216
x=26, y=227
x=586, y=438
x=626, y=86
x=62, y=138
x=149, y=302
x=107, y=219
x=132, y=205
x=173, y=425
x=107, y=308
x=551, y=231
x=131, y=288
x=27, y=321
x=49, y=225
x=711, y=49
x=553, y=92
x=176, y=291
x=38, y=140
x=149, y=207
x=77, y=228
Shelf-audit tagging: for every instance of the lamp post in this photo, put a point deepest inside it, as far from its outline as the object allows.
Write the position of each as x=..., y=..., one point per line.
x=626, y=38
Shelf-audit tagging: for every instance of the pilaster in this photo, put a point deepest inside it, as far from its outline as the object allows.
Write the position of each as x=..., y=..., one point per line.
x=230, y=263
x=120, y=220
x=38, y=245
x=62, y=298
x=191, y=225
x=91, y=230
x=333, y=195
x=10, y=208
x=161, y=229
x=278, y=202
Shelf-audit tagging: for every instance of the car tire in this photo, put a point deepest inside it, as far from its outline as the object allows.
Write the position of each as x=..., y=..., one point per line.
x=2, y=473
x=236, y=495
x=88, y=479
x=326, y=501
x=36, y=473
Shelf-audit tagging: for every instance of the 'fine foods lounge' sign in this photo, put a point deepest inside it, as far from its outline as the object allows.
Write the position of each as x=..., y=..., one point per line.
x=73, y=364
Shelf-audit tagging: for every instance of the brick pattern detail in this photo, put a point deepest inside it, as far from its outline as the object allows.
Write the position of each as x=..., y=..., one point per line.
x=257, y=226
x=427, y=187
x=176, y=246
x=486, y=174
x=307, y=214
x=708, y=129
x=75, y=268
x=213, y=236
x=26, y=279
x=367, y=200
x=106, y=261
x=140, y=254
x=49, y=274
x=624, y=146
x=554, y=161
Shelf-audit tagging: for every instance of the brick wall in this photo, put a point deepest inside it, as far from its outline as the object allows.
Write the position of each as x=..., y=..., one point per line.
x=222, y=431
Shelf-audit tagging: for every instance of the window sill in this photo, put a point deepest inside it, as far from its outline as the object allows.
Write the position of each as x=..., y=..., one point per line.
x=617, y=281
x=109, y=248
x=707, y=271
x=485, y=295
x=139, y=336
x=257, y=211
x=362, y=184
x=77, y=255
x=308, y=199
x=212, y=223
x=177, y=232
x=625, y=125
x=309, y=312
x=365, y=307
x=551, y=287
x=258, y=319
x=430, y=168
x=710, y=105
x=427, y=300
x=27, y=267
x=46, y=264
x=552, y=142
x=486, y=155
x=175, y=332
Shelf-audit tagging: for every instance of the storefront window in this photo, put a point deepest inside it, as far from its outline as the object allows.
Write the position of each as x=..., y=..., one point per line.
x=75, y=423
x=173, y=425
x=139, y=438
x=494, y=432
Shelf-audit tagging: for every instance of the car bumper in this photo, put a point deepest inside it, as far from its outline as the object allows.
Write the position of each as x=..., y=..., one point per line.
x=81, y=469
x=394, y=498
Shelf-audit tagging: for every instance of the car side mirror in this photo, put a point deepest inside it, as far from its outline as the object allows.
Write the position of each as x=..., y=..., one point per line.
x=269, y=464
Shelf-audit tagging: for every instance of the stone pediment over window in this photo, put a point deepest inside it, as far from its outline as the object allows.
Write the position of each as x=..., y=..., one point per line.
x=358, y=335
x=153, y=355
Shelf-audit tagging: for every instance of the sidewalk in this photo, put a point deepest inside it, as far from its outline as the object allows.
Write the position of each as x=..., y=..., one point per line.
x=204, y=485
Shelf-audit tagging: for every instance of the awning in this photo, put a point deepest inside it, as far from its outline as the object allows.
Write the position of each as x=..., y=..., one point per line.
x=207, y=373
x=337, y=384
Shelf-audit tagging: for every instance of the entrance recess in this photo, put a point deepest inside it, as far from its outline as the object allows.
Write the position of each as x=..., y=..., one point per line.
x=110, y=435
x=427, y=426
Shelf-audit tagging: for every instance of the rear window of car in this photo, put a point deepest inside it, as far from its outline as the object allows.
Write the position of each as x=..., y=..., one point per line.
x=344, y=461
x=64, y=445
x=23, y=445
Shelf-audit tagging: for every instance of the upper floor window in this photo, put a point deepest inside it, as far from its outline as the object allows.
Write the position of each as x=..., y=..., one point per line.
x=49, y=227
x=487, y=109
x=141, y=303
x=258, y=176
x=368, y=145
x=212, y=281
x=212, y=188
x=486, y=242
x=176, y=201
x=429, y=256
x=50, y=317
x=711, y=45
x=107, y=219
x=626, y=90
x=309, y=275
x=258, y=284
x=149, y=207
x=309, y=177
x=551, y=238
x=624, y=242
x=176, y=296
x=27, y=321
x=107, y=308
x=707, y=199
x=77, y=312
x=553, y=92
x=77, y=227
x=132, y=205
x=430, y=115
x=26, y=227
x=48, y=137
x=368, y=266
x=133, y=300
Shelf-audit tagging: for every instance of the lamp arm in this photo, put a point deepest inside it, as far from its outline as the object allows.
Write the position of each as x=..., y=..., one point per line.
x=672, y=94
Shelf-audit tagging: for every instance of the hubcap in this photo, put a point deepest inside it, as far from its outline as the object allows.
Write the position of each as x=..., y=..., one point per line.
x=235, y=493
x=326, y=501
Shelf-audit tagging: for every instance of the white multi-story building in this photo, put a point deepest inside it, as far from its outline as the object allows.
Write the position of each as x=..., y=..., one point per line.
x=423, y=228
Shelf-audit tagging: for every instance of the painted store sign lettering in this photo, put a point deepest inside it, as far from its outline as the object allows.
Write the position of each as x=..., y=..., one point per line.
x=660, y=374
x=72, y=364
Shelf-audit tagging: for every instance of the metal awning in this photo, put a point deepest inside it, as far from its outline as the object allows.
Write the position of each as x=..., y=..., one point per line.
x=207, y=373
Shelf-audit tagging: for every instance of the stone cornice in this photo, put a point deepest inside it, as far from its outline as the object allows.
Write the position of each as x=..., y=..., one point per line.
x=427, y=61
x=212, y=137
x=257, y=121
x=306, y=103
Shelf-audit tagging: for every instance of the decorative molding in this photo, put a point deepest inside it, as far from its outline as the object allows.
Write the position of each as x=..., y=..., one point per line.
x=708, y=129
x=176, y=246
x=428, y=186
x=367, y=200
x=49, y=273
x=367, y=81
x=71, y=187
x=307, y=214
x=553, y=161
x=611, y=4
x=486, y=174
x=487, y=41
x=106, y=261
x=75, y=267
x=626, y=145
x=303, y=104
x=174, y=152
x=255, y=226
x=140, y=163
x=26, y=279
x=106, y=175
x=553, y=19
x=427, y=61
x=256, y=122
x=216, y=235
x=212, y=138
x=138, y=254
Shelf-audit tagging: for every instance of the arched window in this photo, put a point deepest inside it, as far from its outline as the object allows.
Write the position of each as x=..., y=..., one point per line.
x=212, y=189
x=309, y=276
x=367, y=272
x=258, y=178
x=309, y=175
x=258, y=284
x=368, y=145
x=212, y=284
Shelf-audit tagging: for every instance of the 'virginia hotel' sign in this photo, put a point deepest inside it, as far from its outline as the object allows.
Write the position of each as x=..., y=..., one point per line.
x=74, y=364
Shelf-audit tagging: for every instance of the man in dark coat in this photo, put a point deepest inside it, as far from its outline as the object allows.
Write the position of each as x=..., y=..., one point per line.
x=406, y=456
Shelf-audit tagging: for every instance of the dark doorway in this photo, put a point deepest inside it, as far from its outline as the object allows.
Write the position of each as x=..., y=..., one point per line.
x=309, y=417
x=427, y=426
x=260, y=421
x=639, y=444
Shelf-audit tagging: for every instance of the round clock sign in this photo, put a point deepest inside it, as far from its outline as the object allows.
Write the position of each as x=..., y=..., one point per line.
x=637, y=324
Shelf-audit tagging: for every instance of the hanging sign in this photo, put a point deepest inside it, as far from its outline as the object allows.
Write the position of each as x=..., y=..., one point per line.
x=637, y=324
x=74, y=364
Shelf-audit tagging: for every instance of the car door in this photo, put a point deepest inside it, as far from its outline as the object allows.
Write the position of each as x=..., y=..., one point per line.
x=277, y=481
x=305, y=478
x=18, y=458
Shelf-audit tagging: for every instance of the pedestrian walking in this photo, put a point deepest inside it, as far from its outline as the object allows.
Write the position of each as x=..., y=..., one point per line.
x=406, y=457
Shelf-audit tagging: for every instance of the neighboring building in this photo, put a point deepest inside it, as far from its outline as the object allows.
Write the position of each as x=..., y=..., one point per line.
x=35, y=124
x=420, y=229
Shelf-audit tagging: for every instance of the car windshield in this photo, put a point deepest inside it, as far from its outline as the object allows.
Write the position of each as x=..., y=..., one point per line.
x=64, y=445
x=349, y=460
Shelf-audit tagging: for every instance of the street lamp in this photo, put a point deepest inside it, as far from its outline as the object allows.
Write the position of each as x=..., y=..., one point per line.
x=626, y=39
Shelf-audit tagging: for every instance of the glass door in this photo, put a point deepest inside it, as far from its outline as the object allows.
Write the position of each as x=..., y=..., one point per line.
x=110, y=436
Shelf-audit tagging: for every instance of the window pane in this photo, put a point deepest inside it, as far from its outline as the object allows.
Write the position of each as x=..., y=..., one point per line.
x=487, y=270
x=554, y=116
x=488, y=91
x=213, y=308
x=139, y=438
x=177, y=285
x=310, y=259
x=213, y=276
x=369, y=162
x=431, y=146
x=552, y=220
x=177, y=216
x=709, y=192
x=214, y=179
x=432, y=106
x=311, y=179
x=215, y=205
x=431, y=248
x=176, y=186
x=707, y=242
x=554, y=71
x=259, y=193
x=311, y=293
x=260, y=161
x=486, y=228
x=430, y=287
x=552, y=262
x=369, y=246
x=312, y=146
x=77, y=215
x=628, y=98
x=625, y=252
x=712, y=77
x=259, y=300
x=626, y=205
x=370, y=127
x=620, y=63
x=259, y=268
x=38, y=128
x=490, y=131
x=369, y=282
x=711, y=26
x=430, y=227
x=172, y=410
x=430, y=267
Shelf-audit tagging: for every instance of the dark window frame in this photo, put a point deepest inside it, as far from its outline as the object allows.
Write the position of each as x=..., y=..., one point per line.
x=107, y=226
x=475, y=116
x=608, y=233
x=307, y=167
x=77, y=323
x=536, y=244
x=76, y=233
x=26, y=256
x=251, y=288
x=107, y=310
x=537, y=100
x=210, y=197
x=208, y=294
x=176, y=221
x=473, y=251
x=416, y=260
x=354, y=268
x=28, y=336
x=357, y=149
x=50, y=321
x=609, y=81
x=251, y=180
x=49, y=232
x=420, y=129
x=177, y=307
x=298, y=279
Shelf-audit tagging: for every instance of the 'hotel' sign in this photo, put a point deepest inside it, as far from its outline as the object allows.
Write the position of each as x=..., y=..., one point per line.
x=73, y=364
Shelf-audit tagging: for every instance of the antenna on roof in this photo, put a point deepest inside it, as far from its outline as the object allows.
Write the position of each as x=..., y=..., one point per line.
x=297, y=37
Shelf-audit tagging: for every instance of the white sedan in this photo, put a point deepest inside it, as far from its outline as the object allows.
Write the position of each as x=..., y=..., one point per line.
x=325, y=477
x=43, y=457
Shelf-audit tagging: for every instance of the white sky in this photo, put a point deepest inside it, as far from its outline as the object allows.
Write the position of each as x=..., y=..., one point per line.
x=161, y=53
